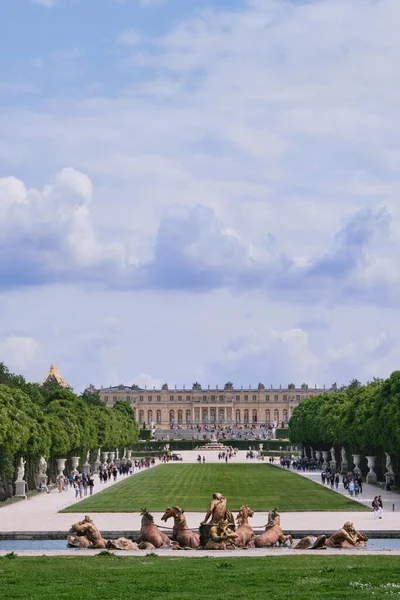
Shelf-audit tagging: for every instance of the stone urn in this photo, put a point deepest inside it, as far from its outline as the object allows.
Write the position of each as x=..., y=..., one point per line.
x=61, y=465
x=104, y=456
x=111, y=456
x=325, y=456
x=356, y=461
x=371, y=475
x=318, y=455
x=74, y=463
x=128, y=454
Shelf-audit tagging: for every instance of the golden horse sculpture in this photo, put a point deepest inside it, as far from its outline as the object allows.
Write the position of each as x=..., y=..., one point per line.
x=245, y=534
x=273, y=533
x=181, y=532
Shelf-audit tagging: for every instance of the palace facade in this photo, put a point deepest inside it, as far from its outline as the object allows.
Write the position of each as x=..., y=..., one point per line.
x=228, y=406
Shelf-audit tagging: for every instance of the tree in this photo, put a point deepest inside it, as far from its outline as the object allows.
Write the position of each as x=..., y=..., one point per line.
x=92, y=398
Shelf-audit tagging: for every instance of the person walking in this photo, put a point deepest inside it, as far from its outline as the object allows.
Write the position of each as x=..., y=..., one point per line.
x=337, y=481
x=375, y=506
x=351, y=487
x=91, y=484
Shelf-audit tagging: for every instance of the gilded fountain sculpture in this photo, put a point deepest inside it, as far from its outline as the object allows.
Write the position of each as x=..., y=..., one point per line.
x=218, y=531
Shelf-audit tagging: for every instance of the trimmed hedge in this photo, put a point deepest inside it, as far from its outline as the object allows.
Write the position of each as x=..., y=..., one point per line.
x=158, y=445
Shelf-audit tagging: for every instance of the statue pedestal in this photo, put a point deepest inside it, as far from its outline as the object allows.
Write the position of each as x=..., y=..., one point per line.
x=97, y=464
x=389, y=478
x=87, y=468
x=371, y=475
x=20, y=487
x=344, y=467
x=332, y=465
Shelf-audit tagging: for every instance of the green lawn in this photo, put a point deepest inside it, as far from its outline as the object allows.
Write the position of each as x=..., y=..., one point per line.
x=191, y=487
x=110, y=577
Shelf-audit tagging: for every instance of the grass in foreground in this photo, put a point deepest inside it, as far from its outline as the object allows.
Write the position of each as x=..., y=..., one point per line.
x=192, y=486
x=113, y=577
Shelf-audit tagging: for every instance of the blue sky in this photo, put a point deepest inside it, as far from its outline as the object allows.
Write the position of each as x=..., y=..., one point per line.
x=199, y=190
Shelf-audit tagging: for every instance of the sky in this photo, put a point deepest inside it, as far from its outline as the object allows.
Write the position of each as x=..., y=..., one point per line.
x=200, y=190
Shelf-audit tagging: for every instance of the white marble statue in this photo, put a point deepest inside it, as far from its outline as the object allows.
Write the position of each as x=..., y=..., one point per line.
x=21, y=469
x=311, y=453
x=98, y=455
x=261, y=446
x=332, y=451
x=124, y=456
x=117, y=454
x=389, y=467
x=42, y=466
x=343, y=453
x=87, y=457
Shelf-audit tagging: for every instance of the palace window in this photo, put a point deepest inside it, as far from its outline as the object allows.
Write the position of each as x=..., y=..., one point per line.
x=150, y=416
x=171, y=416
x=150, y=399
x=212, y=398
x=238, y=416
x=221, y=398
x=158, y=398
x=187, y=398
x=213, y=415
x=246, y=398
x=285, y=416
x=179, y=398
x=140, y=398
x=188, y=416
x=246, y=416
x=105, y=398
x=267, y=415
x=284, y=397
x=276, y=415
x=254, y=398
x=128, y=398
x=179, y=417
x=204, y=398
x=141, y=416
x=221, y=415
x=254, y=416
x=237, y=398
x=171, y=398
x=267, y=397
x=115, y=398
x=276, y=398
x=298, y=398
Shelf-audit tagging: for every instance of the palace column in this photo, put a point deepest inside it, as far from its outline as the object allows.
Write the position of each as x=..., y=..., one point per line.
x=224, y=415
x=208, y=414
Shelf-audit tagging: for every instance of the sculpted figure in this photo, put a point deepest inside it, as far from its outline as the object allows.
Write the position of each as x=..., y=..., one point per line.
x=218, y=511
x=121, y=544
x=388, y=463
x=87, y=457
x=343, y=453
x=310, y=542
x=347, y=537
x=332, y=451
x=87, y=535
x=42, y=467
x=98, y=456
x=245, y=534
x=21, y=469
x=221, y=536
x=181, y=533
x=149, y=532
x=273, y=533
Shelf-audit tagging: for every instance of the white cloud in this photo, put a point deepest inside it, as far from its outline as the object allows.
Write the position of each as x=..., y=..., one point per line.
x=130, y=38
x=18, y=352
x=47, y=3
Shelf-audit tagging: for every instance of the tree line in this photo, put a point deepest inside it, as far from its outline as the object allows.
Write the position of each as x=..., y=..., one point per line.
x=52, y=421
x=362, y=418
